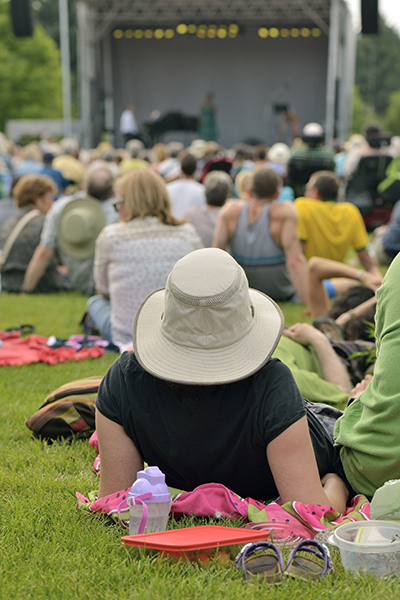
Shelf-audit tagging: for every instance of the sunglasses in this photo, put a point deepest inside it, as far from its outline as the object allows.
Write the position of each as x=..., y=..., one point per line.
x=118, y=203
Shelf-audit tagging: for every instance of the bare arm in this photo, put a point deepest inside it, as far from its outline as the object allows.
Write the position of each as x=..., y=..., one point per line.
x=333, y=370
x=38, y=265
x=294, y=468
x=226, y=225
x=367, y=262
x=356, y=312
x=319, y=269
x=120, y=460
x=295, y=260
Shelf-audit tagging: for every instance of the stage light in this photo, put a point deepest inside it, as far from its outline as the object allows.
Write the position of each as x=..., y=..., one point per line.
x=118, y=34
x=316, y=32
x=169, y=33
x=285, y=33
x=192, y=28
x=182, y=28
x=212, y=31
x=201, y=33
x=138, y=34
x=305, y=32
x=263, y=32
x=294, y=32
x=148, y=33
x=274, y=32
x=158, y=34
x=129, y=34
x=222, y=32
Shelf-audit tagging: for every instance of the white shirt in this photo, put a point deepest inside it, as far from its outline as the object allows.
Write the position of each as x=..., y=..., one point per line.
x=128, y=122
x=185, y=193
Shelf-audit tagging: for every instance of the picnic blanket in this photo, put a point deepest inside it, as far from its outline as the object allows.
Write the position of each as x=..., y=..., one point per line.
x=217, y=501
x=18, y=350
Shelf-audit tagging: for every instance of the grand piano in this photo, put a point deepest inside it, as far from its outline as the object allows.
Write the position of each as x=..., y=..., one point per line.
x=152, y=132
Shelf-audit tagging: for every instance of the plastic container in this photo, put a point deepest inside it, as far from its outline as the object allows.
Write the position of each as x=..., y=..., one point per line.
x=385, y=505
x=149, y=502
x=199, y=544
x=370, y=547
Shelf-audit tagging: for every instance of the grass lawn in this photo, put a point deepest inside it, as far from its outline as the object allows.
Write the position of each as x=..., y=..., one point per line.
x=50, y=549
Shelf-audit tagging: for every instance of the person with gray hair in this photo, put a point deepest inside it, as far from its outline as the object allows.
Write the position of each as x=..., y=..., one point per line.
x=218, y=188
x=71, y=227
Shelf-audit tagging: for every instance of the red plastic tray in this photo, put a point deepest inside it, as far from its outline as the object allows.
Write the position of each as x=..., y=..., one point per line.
x=194, y=538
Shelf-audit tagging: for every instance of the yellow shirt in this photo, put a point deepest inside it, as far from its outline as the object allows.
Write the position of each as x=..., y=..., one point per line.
x=330, y=228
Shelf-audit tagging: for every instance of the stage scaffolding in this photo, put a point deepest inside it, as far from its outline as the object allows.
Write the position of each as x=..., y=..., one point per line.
x=98, y=19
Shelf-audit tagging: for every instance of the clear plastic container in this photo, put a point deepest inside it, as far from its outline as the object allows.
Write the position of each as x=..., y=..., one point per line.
x=157, y=517
x=385, y=505
x=370, y=547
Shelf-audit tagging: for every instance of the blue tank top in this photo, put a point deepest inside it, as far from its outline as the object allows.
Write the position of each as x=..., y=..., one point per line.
x=264, y=262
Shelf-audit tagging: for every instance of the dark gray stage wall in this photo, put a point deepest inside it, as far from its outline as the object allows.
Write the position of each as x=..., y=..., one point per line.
x=247, y=75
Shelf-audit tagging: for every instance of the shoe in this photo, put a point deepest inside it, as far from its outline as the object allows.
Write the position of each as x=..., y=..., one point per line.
x=88, y=326
x=330, y=328
x=268, y=567
x=308, y=568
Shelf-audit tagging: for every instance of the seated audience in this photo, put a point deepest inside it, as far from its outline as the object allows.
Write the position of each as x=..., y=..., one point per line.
x=34, y=196
x=30, y=161
x=186, y=191
x=386, y=238
x=308, y=158
x=373, y=145
x=203, y=348
x=262, y=235
x=55, y=174
x=218, y=188
x=328, y=228
x=77, y=253
x=134, y=257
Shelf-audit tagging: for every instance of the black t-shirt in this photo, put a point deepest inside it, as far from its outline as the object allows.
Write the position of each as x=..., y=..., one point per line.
x=208, y=434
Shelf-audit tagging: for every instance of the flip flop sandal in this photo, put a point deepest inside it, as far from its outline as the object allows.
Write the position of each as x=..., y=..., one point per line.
x=24, y=329
x=330, y=328
x=308, y=568
x=263, y=566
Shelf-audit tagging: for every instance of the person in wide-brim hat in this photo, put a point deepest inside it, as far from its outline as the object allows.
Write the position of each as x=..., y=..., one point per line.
x=201, y=398
x=79, y=226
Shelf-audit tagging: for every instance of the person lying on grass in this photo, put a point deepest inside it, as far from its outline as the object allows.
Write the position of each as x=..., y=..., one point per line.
x=201, y=397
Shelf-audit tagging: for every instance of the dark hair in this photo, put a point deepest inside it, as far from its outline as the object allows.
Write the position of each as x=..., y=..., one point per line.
x=355, y=327
x=265, y=183
x=188, y=164
x=327, y=183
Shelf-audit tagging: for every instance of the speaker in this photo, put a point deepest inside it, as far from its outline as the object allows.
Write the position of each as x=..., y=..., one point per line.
x=369, y=16
x=21, y=17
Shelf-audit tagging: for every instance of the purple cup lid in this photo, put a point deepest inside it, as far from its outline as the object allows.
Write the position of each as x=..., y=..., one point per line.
x=151, y=480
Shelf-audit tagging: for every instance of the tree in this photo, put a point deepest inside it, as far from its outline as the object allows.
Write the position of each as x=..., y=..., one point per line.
x=30, y=74
x=392, y=120
x=362, y=113
x=378, y=67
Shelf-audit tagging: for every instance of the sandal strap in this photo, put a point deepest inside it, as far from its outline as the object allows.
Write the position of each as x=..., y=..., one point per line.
x=321, y=551
x=250, y=549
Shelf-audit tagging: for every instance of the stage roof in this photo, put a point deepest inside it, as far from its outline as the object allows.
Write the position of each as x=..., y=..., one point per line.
x=295, y=13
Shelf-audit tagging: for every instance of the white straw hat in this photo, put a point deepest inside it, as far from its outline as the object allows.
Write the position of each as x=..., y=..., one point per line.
x=79, y=225
x=206, y=326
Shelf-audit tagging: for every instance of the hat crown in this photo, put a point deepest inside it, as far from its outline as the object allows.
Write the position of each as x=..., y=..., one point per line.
x=207, y=301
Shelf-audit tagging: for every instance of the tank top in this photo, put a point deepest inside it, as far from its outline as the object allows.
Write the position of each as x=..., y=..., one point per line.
x=264, y=262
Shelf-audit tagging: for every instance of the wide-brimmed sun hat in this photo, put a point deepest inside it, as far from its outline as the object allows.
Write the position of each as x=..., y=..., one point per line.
x=206, y=326
x=79, y=225
x=279, y=153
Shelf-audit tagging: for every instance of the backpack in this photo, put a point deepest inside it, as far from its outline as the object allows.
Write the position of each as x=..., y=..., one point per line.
x=68, y=412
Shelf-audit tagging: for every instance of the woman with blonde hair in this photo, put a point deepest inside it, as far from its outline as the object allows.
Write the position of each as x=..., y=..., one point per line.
x=135, y=256
x=20, y=234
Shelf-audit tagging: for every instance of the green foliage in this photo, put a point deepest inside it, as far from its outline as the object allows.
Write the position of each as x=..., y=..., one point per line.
x=392, y=119
x=378, y=67
x=362, y=113
x=30, y=74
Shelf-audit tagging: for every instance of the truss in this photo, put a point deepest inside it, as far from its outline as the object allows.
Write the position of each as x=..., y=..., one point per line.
x=162, y=12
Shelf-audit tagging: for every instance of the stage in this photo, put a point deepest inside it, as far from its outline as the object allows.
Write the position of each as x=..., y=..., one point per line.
x=255, y=56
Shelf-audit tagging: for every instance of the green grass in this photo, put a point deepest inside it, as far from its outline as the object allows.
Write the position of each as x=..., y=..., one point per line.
x=50, y=549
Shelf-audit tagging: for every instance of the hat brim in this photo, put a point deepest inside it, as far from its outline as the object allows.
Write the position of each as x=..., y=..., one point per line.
x=84, y=250
x=199, y=366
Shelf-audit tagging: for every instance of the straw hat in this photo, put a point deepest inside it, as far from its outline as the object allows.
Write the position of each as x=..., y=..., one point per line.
x=206, y=326
x=80, y=223
x=279, y=153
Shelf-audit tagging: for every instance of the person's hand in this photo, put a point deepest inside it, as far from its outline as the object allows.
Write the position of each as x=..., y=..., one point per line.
x=304, y=333
x=372, y=279
x=361, y=387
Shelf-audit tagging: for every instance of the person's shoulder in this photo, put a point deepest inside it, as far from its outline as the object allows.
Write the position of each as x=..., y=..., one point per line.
x=232, y=207
x=282, y=210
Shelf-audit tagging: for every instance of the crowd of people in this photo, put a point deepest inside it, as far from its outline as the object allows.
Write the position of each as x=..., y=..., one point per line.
x=193, y=249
